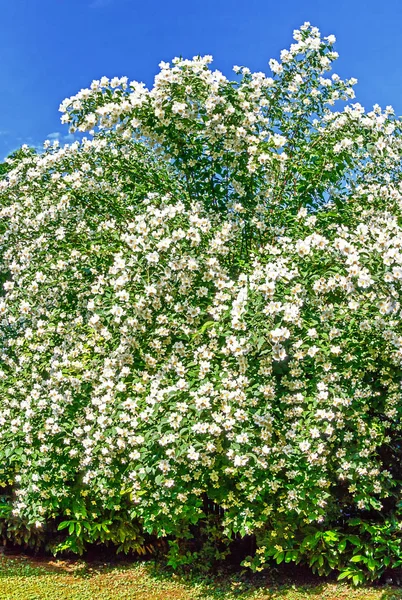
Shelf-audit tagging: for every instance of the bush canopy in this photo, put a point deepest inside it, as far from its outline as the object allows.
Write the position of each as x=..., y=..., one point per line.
x=200, y=319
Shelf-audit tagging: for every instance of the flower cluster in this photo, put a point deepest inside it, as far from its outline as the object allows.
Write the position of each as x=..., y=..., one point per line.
x=202, y=299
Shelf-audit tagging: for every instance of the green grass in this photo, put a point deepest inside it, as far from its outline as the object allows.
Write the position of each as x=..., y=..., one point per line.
x=24, y=578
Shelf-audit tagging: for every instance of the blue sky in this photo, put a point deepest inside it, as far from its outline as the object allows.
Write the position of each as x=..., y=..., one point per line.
x=50, y=49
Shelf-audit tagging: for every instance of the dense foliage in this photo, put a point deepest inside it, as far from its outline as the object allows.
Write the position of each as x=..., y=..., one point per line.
x=201, y=319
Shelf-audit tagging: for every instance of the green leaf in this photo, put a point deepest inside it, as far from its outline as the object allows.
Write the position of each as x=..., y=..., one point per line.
x=357, y=558
x=372, y=564
x=345, y=574
x=330, y=536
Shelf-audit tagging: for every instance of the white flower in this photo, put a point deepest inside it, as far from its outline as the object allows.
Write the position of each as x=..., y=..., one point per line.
x=279, y=140
x=25, y=307
x=179, y=108
x=278, y=353
x=275, y=66
x=240, y=461
x=94, y=320
x=152, y=257
x=192, y=454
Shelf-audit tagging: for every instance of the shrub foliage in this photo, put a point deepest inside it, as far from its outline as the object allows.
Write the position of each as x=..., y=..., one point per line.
x=200, y=319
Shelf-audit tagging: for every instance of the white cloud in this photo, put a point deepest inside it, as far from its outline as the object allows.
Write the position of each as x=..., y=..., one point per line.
x=69, y=138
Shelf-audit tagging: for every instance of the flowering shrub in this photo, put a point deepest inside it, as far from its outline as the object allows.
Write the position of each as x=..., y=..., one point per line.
x=201, y=308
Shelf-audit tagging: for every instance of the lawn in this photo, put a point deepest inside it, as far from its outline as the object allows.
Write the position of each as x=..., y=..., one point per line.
x=23, y=578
